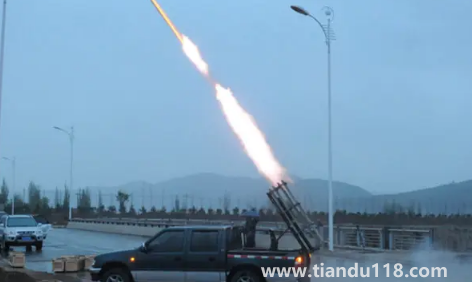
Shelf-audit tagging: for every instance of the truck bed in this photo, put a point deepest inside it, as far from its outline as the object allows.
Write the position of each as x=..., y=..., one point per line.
x=264, y=252
x=261, y=258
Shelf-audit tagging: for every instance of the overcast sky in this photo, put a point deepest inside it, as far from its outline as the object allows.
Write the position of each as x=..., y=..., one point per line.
x=402, y=90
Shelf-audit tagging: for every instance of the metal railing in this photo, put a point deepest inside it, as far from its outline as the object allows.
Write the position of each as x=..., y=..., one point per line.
x=347, y=236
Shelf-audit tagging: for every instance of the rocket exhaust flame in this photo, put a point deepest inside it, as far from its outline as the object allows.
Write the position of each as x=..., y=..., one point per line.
x=192, y=52
x=241, y=122
x=251, y=137
x=167, y=20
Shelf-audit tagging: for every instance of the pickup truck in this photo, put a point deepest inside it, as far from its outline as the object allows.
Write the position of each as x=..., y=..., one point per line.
x=195, y=254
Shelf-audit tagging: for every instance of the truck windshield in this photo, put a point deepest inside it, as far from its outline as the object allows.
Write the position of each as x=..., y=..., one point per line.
x=21, y=222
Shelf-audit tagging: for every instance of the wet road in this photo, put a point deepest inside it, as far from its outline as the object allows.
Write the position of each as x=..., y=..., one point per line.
x=62, y=241
x=77, y=242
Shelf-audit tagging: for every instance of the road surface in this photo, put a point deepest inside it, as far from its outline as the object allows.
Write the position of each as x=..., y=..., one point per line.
x=64, y=241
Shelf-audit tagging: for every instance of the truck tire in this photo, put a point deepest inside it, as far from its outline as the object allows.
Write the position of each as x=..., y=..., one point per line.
x=116, y=275
x=246, y=276
x=39, y=246
x=304, y=279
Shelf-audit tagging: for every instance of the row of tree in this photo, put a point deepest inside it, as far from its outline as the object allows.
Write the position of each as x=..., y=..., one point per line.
x=39, y=203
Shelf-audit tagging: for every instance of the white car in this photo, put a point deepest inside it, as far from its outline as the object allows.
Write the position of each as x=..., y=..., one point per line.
x=20, y=230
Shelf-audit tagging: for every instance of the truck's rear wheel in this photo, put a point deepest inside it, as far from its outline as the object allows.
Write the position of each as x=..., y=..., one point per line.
x=116, y=275
x=246, y=276
x=39, y=246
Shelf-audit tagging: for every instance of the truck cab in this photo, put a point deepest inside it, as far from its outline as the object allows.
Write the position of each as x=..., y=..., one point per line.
x=193, y=254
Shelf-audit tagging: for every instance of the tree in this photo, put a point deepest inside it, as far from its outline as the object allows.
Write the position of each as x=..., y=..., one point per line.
x=122, y=198
x=226, y=202
x=112, y=209
x=142, y=210
x=84, y=200
x=236, y=211
x=132, y=210
x=201, y=211
x=44, y=205
x=101, y=206
x=153, y=209
x=176, y=204
x=66, y=202
x=57, y=200
x=20, y=206
x=4, y=193
x=34, y=197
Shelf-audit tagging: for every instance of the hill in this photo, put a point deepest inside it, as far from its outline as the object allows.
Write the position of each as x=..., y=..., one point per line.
x=208, y=189
x=448, y=198
x=213, y=190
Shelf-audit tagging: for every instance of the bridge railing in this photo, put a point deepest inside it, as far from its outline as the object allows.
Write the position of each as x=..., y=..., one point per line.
x=347, y=236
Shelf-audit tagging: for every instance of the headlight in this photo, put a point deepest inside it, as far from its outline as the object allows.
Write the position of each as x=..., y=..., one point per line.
x=39, y=232
x=11, y=233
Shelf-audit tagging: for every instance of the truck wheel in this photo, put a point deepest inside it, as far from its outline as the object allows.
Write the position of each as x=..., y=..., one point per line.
x=246, y=276
x=29, y=248
x=39, y=246
x=116, y=275
x=304, y=279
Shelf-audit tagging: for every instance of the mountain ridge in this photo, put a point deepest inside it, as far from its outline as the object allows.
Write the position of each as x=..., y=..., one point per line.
x=211, y=190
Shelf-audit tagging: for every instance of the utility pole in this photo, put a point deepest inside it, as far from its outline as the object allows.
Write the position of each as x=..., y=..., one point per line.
x=2, y=51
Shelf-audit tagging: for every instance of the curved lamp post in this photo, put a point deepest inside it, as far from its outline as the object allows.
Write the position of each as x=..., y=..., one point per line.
x=329, y=36
x=71, y=140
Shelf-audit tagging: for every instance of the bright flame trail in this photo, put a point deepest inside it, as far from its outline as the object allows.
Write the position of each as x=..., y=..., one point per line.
x=241, y=122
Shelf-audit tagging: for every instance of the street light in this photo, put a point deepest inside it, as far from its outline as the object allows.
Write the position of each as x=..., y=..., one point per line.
x=13, y=168
x=71, y=139
x=2, y=49
x=329, y=36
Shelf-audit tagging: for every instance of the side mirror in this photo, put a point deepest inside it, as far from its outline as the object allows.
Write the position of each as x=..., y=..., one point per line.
x=143, y=247
x=39, y=224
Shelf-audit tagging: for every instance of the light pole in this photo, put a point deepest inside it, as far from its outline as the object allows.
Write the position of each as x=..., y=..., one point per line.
x=71, y=139
x=13, y=169
x=2, y=50
x=329, y=36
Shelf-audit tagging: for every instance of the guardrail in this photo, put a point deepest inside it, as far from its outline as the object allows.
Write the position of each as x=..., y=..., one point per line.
x=350, y=236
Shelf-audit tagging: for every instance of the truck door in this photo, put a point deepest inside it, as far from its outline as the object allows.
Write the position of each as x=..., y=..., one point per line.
x=205, y=261
x=163, y=259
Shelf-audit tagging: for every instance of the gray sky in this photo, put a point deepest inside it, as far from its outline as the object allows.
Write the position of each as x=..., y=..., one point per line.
x=402, y=90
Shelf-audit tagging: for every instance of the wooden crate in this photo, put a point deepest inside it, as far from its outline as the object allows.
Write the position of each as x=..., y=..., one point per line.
x=59, y=265
x=88, y=261
x=74, y=264
x=16, y=259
